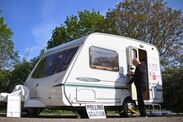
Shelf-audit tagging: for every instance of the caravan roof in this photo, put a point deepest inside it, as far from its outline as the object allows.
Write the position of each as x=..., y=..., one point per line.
x=83, y=39
x=64, y=45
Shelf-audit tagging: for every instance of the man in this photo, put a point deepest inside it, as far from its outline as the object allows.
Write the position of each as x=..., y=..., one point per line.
x=140, y=80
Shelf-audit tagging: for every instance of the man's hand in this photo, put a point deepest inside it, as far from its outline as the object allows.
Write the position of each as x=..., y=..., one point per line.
x=129, y=74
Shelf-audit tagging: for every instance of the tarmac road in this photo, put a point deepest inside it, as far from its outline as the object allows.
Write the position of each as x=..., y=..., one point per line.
x=110, y=119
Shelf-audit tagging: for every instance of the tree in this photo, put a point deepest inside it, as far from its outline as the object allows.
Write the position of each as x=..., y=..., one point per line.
x=7, y=54
x=172, y=89
x=77, y=26
x=19, y=74
x=4, y=80
x=150, y=21
x=10, y=78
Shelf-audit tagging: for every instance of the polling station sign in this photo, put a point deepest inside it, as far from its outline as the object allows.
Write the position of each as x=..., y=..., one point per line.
x=95, y=111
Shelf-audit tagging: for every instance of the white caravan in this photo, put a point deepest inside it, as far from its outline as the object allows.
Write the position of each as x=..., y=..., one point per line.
x=92, y=70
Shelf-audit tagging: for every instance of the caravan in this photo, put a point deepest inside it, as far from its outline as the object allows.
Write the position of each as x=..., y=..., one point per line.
x=92, y=70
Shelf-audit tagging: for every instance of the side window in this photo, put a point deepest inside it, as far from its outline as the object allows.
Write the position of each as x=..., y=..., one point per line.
x=103, y=59
x=54, y=63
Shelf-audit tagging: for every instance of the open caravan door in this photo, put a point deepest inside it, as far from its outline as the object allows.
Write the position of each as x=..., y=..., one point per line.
x=134, y=52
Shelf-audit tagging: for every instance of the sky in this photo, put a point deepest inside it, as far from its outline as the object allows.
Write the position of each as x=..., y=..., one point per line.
x=32, y=21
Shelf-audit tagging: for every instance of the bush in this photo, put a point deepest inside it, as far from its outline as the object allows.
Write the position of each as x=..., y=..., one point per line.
x=10, y=78
x=173, y=89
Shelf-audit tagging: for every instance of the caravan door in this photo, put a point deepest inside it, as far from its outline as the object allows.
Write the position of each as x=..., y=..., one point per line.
x=132, y=52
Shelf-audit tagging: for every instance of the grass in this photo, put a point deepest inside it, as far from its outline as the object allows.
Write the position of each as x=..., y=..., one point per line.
x=66, y=112
x=2, y=109
x=56, y=112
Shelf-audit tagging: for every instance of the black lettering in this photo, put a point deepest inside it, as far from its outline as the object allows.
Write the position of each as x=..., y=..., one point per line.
x=99, y=107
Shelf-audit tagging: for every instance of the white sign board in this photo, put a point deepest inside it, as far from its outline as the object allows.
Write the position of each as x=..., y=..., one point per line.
x=95, y=111
x=14, y=106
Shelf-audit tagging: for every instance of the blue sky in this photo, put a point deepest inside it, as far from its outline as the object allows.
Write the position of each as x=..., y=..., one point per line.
x=32, y=21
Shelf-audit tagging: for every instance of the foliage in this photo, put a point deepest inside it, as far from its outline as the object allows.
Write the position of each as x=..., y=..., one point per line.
x=7, y=54
x=18, y=75
x=4, y=80
x=150, y=21
x=12, y=70
x=172, y=89
x=8, y=57
x=76, y=26
x=8, y=78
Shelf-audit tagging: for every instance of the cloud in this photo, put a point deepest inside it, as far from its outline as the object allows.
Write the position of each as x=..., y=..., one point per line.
x=41, y=34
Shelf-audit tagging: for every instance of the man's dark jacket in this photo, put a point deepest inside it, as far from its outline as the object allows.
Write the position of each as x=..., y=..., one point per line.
x=140, y=76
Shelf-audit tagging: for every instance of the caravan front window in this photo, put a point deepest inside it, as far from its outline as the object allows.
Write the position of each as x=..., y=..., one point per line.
x=54, y=63
x=103, y=59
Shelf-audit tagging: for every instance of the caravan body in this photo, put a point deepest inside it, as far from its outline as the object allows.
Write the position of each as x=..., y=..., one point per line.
x=92, y=70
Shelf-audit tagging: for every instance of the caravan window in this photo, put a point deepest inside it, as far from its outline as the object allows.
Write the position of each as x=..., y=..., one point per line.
x=103, y=59
x=54, y=63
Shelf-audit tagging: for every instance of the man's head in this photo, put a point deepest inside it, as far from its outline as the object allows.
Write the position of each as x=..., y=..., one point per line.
x=135, y=62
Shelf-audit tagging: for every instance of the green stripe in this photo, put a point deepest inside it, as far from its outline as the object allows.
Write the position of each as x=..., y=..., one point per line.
x=94, y=86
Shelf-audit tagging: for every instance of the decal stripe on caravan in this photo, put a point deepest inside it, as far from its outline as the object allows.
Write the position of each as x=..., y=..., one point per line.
x=94, y=86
